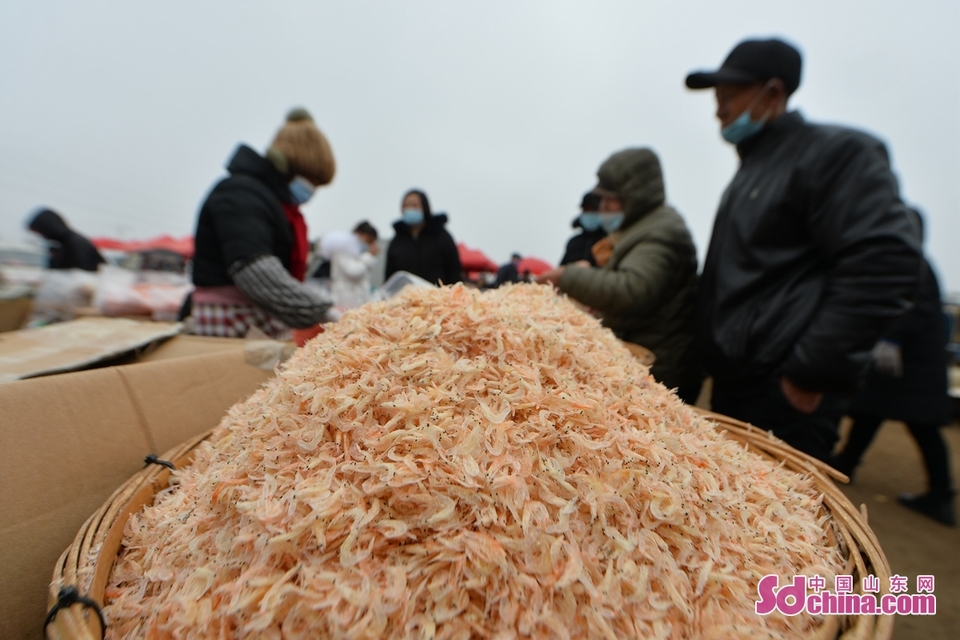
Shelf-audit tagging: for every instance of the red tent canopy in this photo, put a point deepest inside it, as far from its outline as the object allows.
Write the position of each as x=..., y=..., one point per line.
x=535, y=266
x=182, y=246
x=474, y=260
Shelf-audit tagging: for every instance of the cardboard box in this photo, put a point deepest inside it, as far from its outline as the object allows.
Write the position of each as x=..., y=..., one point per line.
x=185, y=345
x=69, y=440
x=74, y=345
x=14, y=312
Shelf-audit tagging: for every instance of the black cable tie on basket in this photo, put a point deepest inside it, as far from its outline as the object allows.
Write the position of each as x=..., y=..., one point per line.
x=153, y=459
x=68, y=597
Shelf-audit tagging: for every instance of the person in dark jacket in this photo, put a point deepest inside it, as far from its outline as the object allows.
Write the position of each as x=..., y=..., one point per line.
x=811, y=259
x=579, y=246
x=68, y=249
x=251, y=239
x=908, y=382
x=422, y=245
x=645, y=292
x=509, y=272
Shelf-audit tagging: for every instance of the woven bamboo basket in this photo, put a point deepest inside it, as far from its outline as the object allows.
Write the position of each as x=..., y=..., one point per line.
x=87, y=563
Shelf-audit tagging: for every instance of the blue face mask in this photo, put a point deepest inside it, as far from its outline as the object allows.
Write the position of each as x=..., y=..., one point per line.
x=744, y=127
x=301, y=189
x=590, y=220
x=611, y=221
x=412, y=217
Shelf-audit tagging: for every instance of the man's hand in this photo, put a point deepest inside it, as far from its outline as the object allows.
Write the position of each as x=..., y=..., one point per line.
x=551, y=277
x=888, y=358
x=800, y=399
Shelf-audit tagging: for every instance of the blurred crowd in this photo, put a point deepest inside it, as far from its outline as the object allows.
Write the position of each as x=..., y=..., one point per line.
x=815, y=300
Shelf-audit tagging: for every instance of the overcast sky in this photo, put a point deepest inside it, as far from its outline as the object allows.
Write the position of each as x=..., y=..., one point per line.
x=121, y=115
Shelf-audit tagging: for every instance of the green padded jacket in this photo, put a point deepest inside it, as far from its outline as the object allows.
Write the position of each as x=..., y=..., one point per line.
x=646, y=293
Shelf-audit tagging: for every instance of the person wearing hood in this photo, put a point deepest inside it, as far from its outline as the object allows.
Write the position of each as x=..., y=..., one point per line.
x=68, y=249
x=251, y=238
x=421, y=244
x=645, y=292
x=580, y=246
x=812, y=257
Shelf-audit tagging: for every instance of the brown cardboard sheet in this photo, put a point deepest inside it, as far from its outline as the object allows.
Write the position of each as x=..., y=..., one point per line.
x=14, y=312
x=73, y=345
x=188, y=345
x=68, y=441
x=180, y=398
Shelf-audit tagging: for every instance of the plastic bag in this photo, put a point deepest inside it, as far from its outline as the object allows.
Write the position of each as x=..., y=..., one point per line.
x=60, y=294
x=158, y=294
x=396, y=282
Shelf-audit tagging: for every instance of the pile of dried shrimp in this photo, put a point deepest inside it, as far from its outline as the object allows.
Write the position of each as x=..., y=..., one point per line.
x=456, y=464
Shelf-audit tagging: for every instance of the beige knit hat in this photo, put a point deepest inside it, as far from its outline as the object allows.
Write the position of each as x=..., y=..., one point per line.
x=300, y=148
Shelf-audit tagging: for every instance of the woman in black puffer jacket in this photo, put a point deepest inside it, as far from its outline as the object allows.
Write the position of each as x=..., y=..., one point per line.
x=251, y=240
x=422, y=245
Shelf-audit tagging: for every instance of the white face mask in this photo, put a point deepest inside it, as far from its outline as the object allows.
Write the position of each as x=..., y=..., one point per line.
x=611, y=221
x=301, y=189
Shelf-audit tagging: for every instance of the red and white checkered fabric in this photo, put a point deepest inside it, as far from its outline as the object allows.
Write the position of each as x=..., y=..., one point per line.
x=234, y=321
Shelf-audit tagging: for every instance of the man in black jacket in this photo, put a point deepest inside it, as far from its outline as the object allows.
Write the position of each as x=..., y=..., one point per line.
x=580, y=246
x=812, y=256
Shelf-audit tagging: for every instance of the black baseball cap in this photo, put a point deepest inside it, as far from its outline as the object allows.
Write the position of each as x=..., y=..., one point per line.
x=590, y=202
x=753, y=61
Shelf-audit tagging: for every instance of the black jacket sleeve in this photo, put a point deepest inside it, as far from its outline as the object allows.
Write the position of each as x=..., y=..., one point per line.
x=57, y=258
x=572, y=251
x=391, y=261
x=452, y=269
x=861, y=228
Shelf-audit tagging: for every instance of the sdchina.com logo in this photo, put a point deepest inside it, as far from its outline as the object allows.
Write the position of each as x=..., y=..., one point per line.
x=794, y=598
